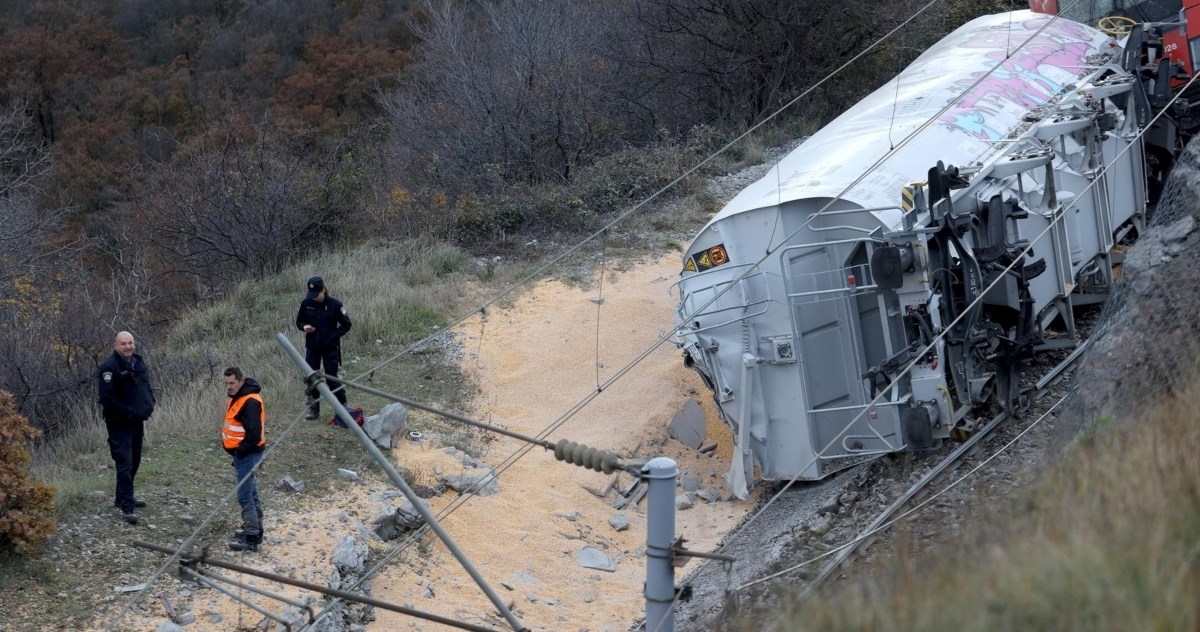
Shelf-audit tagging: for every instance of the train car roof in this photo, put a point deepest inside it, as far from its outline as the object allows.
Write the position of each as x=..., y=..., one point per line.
x=1040, y=58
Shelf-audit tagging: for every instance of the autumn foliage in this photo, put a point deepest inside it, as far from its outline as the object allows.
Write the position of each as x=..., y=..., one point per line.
x=26, y=507
x=155, y=153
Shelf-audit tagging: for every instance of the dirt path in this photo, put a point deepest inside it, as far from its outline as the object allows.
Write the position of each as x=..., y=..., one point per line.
x=533, y=362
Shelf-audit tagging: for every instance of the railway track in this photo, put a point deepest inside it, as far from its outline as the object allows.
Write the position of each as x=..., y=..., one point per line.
x=785, y=534
x=881, y=522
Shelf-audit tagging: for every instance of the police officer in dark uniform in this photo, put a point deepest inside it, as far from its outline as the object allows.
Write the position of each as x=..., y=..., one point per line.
x=127, y=401
x=324, y=321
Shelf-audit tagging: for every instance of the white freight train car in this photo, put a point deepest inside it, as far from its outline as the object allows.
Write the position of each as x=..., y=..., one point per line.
x=808, y=293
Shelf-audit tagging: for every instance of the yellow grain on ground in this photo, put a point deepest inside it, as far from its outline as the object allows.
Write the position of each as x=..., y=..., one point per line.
x=534, y=361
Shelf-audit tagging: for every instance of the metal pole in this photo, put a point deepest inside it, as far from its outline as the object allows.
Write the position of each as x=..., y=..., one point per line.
x=660, y=538
x=229, y=593
x=394, y=476
x=260, y=591
x=444, y=413
x=317, y=588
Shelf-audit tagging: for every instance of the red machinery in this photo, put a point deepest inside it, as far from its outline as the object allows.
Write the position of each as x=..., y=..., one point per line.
x=1178, y=22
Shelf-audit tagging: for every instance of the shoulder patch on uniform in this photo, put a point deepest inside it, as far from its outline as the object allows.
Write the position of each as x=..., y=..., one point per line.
x=344, y=312
x=107, y=376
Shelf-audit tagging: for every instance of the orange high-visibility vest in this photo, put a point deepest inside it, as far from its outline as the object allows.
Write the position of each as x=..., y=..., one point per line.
x=232, y=432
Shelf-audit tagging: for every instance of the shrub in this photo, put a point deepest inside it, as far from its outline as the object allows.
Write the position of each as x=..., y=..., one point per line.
x=26, y=507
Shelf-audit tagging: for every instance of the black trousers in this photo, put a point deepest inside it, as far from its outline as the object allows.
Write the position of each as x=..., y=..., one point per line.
x=331, y=358
x=125, y=446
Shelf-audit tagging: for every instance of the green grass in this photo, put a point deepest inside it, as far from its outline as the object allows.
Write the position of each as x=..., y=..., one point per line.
x=396, y=293
x=1108, y=540
x=410, y=319
x=749, y=150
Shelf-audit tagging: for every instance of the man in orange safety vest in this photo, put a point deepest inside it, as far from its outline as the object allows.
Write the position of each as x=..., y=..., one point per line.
x=244, y=435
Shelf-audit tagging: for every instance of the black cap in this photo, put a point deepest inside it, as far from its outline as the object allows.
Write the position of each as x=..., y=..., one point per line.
x=315, y=285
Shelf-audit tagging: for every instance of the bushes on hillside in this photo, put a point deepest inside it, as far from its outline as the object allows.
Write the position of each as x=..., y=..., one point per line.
x=26, y=507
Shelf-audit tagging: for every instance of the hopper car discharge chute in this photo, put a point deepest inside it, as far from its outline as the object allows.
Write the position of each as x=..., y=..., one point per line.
x=806, y=296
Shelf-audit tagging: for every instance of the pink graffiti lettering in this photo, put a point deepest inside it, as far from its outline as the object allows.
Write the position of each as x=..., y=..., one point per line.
x=1044, y=6
x=1019, y=81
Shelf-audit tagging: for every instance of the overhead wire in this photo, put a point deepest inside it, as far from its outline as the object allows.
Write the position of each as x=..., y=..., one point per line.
x=664, y=338
x=624, y=215
x=260, y=591
x=636, y=361
x=202, y=562
x=600, y=302
x=920, y=129
x=215, y=585
x=947, y=328
x=745, y=524
x=571, y=412
x=204, y=524
x=533, y=275
x=537, y=273
x=913, y=510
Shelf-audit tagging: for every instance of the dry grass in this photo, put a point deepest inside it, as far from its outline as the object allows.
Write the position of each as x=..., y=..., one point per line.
x=1109, y=540
x=396, y=294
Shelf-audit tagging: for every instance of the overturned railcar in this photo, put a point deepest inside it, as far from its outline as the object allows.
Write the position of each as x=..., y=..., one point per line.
x=807, y=295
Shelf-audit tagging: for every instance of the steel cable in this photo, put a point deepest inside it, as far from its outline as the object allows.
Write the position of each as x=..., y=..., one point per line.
x=204, y=524
x=662, y=339
x=914, y=509
x=482, y=308
x=959, y=318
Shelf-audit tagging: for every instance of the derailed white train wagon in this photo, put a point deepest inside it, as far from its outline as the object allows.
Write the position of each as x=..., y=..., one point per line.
x=807, y=294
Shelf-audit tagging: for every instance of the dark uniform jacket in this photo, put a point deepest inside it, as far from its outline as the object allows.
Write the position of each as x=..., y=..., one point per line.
x=250, y=416
x=330, y=319
x=125, y=391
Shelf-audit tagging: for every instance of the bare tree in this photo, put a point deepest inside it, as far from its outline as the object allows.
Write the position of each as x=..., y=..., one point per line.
x=732, y=61
x=231, y=206
x=44, y=361
x=505, y=91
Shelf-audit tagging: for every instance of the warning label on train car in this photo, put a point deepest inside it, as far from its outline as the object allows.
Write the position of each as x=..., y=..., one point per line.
x=706, y=259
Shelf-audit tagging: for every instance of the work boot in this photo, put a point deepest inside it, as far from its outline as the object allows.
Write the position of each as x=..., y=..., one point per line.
x=314, y=412
x=244, y=529
x=241, y=532
x=138, y=503
x=244, y=544
x=251, y=529
x=129, y=516
x=248, y=537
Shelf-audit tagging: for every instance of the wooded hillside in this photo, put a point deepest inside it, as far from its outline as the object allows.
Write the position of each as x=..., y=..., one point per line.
x=155, y=152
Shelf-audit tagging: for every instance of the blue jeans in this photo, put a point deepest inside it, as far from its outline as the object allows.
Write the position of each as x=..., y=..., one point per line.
x=125, y=446
x=247, y=494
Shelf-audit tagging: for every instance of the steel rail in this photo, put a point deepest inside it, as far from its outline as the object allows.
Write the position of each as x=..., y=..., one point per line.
x=879, y=523
x=259, y=591
x=311, y=378
x=883, y=517
x=324, y=590
x=215, y=585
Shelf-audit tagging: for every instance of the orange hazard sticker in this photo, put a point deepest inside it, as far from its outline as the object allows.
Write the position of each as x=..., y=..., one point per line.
x=717, y=255
x=707, y=259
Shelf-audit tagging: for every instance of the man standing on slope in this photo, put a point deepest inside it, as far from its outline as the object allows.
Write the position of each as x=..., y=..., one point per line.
x=324, y=321
x=244, y=436
x=127, y=401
